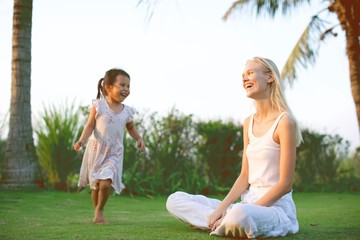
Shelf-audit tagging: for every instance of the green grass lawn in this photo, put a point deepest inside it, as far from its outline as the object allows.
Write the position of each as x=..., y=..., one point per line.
x=58, y=215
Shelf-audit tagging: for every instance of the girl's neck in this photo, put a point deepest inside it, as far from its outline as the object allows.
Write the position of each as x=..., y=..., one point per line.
x=115, y=106
x=112, y=101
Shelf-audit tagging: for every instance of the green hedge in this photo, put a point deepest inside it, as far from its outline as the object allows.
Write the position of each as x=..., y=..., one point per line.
x=185, y=154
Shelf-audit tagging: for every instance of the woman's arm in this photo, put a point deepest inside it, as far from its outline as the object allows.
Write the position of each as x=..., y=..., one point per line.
x=88, y=129
x=240, y=186
x=285, y=135
x=135, y=135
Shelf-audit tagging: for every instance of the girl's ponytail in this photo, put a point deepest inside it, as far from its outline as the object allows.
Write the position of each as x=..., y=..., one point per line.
x=100, y=89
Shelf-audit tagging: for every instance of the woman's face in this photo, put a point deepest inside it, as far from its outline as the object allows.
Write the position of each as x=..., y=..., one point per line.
x=255, y=81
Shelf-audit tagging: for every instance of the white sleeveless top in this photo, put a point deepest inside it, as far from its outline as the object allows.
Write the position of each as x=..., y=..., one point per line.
x=263, y=155
x=104, y=152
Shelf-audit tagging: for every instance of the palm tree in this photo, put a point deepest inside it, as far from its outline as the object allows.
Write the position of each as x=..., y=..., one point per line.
x=20, y=162
x=306, y=50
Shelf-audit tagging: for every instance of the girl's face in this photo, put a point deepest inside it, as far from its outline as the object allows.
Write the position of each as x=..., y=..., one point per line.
x=255, y=81
x=120, y=89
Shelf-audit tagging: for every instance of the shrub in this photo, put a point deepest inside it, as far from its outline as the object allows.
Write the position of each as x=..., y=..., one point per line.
x=170, y=162
x=318, y=159
x=221, y=151
x=182, y=154
x=56, y=134
x=2, y=143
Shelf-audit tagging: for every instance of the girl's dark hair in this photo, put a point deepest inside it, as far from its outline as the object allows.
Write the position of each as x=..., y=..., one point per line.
x=109, y=79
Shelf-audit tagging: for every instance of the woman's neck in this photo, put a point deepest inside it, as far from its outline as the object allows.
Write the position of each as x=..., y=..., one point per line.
x=264, y=109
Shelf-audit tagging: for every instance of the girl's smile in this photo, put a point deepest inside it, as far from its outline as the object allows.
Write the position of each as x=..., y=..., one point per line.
x=120, y=90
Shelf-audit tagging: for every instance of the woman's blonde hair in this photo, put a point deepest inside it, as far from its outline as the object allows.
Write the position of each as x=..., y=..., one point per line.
x=277, y=97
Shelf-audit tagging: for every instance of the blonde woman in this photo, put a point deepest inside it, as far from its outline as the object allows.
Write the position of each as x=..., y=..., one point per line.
x=264, y=185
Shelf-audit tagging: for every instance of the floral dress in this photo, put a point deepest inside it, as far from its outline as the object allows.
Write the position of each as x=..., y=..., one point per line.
x=103, y=157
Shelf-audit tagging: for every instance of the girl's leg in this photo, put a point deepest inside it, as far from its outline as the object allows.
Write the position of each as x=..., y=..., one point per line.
x=94, y=198
x=192, y=209
x=103, y=195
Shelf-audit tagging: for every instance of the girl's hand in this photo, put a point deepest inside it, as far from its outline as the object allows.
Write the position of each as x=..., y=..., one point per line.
x=216, y=218
x=140, y=143
x=78, y=145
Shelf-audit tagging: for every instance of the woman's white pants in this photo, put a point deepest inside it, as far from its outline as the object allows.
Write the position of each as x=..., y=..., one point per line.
x=242, y=219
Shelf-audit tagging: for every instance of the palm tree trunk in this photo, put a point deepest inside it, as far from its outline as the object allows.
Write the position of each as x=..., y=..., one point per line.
x=348, y=12
x=20, y=157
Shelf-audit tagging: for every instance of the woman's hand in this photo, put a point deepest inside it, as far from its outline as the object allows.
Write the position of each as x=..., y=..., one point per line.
x=216, y=218
x=140, y=143
x=217, y=223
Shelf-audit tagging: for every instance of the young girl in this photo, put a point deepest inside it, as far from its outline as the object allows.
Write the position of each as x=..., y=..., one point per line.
x=103, y=158
x=271, y=136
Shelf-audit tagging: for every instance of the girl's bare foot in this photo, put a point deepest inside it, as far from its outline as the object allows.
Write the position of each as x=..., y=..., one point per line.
x=101, y=221
x=99, y=218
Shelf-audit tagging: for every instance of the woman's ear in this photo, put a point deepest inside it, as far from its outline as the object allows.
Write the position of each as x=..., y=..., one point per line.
x=270, y=79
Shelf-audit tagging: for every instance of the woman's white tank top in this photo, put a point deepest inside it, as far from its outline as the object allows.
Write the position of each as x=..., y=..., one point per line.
x=263, y=155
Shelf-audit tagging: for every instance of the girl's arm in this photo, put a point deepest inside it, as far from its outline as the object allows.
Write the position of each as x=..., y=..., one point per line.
x=286, y=136
x=88, y=129
x=135, y=135
x=240, y=186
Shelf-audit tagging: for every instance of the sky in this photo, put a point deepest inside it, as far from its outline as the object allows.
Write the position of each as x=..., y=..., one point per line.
x=186, y=57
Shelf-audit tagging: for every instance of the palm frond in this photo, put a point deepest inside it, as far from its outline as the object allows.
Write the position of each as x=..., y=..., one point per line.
x=237, y=5
x=305, y=50
x=150, y=8
x=263, y=7
x=328, y=32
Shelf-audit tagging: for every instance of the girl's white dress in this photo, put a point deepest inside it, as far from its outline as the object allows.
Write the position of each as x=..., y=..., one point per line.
x=245, y=219
x=103, y=157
